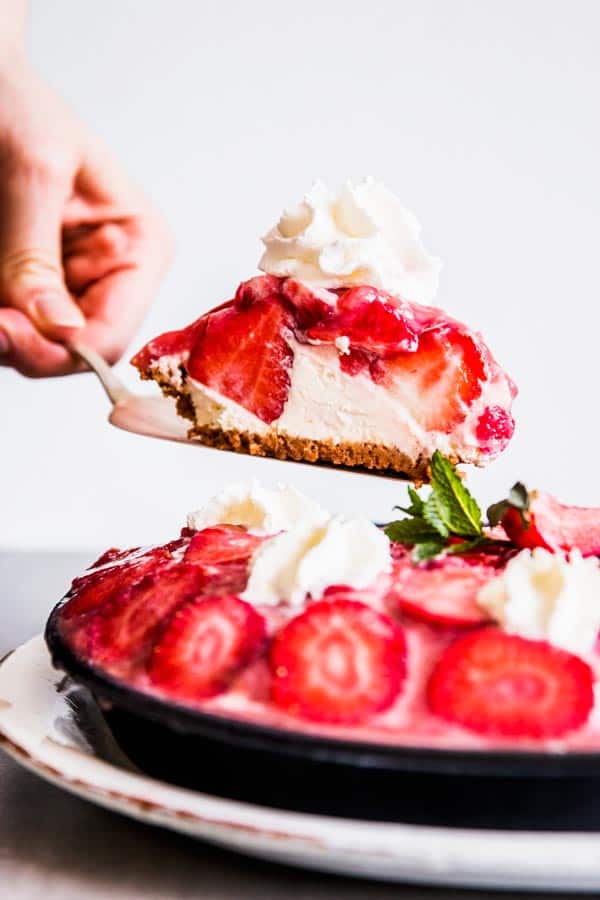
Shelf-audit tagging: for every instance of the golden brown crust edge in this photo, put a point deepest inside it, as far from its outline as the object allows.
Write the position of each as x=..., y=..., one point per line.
x=376, y=458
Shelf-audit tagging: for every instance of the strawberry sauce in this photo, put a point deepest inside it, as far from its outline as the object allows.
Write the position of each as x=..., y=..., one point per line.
x=435, y=367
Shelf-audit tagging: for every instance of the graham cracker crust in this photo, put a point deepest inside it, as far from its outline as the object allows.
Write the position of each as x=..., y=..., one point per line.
x=375, y=458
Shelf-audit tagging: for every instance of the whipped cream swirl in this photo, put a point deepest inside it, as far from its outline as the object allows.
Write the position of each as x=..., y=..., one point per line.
x=361, y=235
x=260, y=510
x=548, y=597
x=307, y=550
x=303, y=561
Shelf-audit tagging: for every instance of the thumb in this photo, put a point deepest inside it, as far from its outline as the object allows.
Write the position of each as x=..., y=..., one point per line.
x=31, y=273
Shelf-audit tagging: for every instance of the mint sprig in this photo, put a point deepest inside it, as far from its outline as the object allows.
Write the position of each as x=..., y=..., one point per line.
x=449, y=511
x=416, y=504
x=448, y=520
x=411, y=531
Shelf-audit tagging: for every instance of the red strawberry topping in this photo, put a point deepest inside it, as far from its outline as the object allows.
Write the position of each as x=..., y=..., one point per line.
x=371, y=320
x=168, y=344
x=442, y=378
x=91, y=591
x=262, y=287
x=506, y=686
x=123, y=630
x=554, y=526
x=494, y=429
x=112, y=555
x=227, y=577
x=222, y=544
x=339, y=661
x=442, y=592
x=243, y=354
x=206, y=643
x=309, y=307
x=361, y=361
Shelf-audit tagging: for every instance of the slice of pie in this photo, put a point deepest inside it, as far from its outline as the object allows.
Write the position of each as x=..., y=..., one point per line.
x=332, y=355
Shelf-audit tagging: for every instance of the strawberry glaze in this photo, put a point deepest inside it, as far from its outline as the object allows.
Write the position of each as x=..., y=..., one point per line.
x=434, y=366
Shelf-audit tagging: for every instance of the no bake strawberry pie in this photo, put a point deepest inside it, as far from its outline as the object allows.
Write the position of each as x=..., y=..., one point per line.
x=334, y=354
x=440, y=630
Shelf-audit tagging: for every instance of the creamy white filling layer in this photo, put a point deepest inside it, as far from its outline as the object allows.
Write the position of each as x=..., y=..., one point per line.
x=325, y=403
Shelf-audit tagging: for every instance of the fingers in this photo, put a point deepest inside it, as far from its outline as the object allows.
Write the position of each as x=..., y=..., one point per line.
x=78, y=257
x=31, y=275
x=26, y=350
x=115, y=306
x=94, y=253
x=115, y=271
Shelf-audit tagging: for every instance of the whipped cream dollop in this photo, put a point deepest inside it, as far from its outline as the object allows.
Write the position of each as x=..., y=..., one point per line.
x=309, y=558
x=260, y=510
x=307, y=550
x=548, y=596
x=360, y=235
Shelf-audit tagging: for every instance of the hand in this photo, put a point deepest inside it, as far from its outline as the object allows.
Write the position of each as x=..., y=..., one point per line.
x=81, y=250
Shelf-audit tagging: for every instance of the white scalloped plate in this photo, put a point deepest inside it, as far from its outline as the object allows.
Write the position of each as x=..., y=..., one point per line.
x=37, y=728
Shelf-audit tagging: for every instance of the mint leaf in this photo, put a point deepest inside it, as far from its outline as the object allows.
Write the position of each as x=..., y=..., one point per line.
x=416, y=505
x=518, y=498
x=427, y=550
x=411, y=531
x=466, y=546
x=433, y=513
x=455, y=505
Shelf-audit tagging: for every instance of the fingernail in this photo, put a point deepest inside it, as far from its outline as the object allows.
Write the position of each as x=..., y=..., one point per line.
x=4, y=343
x=55, y=310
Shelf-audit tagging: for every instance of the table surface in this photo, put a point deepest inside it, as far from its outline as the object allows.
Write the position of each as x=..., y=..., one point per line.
x=58, y=847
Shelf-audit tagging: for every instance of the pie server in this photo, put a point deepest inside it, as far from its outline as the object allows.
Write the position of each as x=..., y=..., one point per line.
x=156, y=417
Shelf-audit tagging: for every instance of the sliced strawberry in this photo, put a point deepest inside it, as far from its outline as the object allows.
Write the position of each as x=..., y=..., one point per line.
x=175, y=546
x=181, y=542
x=124, y=629
x=90, y=592
x=355, y=361
x=370, y=322
x=339, y=661
x=495, y=428
x=442, y=592
x=361, y=361
x=441, y=379
x=228, y=577
x=169, y=344
x=506, y=686
x=554, y=526
x=206, y=643
x=244, y=355
x=309, y=307
x=112, y=555
x=261, y=287
x=223, y=543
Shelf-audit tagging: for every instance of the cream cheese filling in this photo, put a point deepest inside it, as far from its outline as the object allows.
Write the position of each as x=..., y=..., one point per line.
x=327, y=404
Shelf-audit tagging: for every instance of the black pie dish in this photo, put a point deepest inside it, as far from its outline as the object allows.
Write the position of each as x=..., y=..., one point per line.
x=329, y=776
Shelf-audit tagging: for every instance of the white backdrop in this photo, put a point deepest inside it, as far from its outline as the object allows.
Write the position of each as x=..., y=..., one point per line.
x=482, y=116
